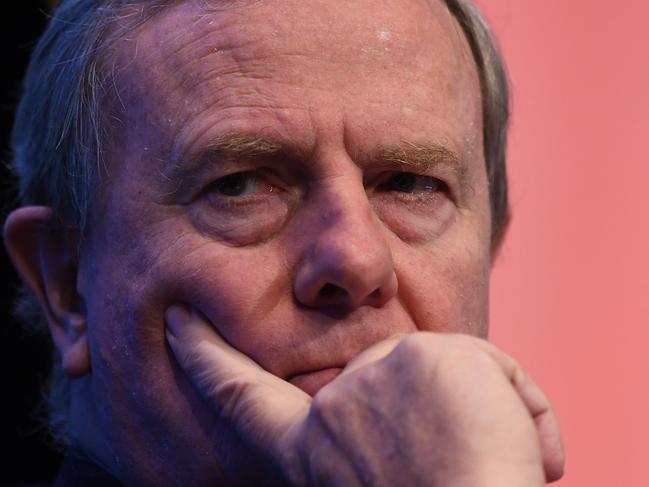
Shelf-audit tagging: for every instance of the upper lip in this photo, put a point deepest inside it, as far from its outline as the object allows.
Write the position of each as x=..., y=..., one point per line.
x=323, y=343
x=314, y=356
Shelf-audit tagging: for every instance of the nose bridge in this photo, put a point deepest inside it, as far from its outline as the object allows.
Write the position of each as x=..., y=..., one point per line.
x=341, y=204
x=347, y=261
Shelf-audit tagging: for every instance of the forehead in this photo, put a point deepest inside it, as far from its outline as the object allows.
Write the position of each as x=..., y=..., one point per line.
x=197, y=56
x=362, y=32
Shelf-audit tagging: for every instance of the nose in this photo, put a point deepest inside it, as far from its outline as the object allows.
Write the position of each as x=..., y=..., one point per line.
x=347, y=261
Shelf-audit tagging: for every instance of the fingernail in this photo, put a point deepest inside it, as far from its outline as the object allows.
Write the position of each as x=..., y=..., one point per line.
x=177, y=316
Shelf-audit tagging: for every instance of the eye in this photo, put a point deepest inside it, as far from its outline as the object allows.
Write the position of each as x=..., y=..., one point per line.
x=406, y=182
x=242, y=208
x=240, y=184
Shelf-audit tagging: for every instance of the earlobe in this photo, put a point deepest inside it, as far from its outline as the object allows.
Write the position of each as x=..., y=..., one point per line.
x=47, y=265
x=76, y=357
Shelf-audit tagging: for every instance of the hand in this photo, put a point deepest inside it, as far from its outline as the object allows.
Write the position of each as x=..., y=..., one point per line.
x=421, y=409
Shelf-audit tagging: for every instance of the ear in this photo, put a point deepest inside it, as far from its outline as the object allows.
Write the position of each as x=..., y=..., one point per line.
x=47, y=262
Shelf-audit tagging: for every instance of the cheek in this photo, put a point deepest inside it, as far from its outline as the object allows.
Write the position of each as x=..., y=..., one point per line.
x=235, y=288
x=446, y=297
x=132, y=286
x=238, y=290
x=446, y=285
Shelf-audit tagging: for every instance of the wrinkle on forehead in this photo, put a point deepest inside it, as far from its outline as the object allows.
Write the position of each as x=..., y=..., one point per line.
x=192, y=57
x=254, y=31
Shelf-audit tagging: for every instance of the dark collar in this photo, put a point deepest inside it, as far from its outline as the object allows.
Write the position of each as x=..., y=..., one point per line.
x=79, y=471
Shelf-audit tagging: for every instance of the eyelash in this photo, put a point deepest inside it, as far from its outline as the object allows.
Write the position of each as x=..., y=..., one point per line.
x=409, y=182
x=238, y=179
x=403, y=182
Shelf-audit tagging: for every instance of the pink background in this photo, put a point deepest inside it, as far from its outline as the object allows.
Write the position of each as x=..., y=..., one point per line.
x=571, y=288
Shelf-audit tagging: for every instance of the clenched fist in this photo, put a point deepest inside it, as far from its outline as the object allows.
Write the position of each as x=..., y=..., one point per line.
x=419, y=409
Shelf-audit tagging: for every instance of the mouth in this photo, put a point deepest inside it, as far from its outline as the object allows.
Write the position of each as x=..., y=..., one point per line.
x=312, y=382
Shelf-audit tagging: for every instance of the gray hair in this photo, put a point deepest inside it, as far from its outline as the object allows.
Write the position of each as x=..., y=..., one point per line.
x=60, y=127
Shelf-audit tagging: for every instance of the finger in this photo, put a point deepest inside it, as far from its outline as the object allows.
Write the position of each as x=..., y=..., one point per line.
x=546, y=421
x=532, y=396
x=261, y=406
x=541, y=410
x=373, y=354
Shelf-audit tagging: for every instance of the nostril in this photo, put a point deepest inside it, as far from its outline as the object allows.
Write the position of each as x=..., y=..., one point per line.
x=331, y=290
x=376, y=294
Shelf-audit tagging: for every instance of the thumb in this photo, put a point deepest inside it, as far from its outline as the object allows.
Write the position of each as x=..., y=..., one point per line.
x=259, y=406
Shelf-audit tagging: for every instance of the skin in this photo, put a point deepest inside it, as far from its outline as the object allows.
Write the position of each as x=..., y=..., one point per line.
x=316, y=256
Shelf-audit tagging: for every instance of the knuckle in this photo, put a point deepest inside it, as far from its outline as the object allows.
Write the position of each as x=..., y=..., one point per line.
x=192, y=359
x=468, y=356
x=421, y=348
x=416, y=347
x=333, y=406
x=326, y=402
x=230, y=394
x=480, y=359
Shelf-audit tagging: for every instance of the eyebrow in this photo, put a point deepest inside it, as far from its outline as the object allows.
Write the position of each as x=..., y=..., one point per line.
x=417, y=156
x=227, y=148
x=238, y=146
x=422, y=156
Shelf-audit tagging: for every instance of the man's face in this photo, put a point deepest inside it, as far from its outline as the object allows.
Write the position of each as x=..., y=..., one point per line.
x=307, y=175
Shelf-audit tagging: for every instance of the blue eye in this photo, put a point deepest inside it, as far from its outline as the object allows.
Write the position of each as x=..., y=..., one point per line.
x=405, y=182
